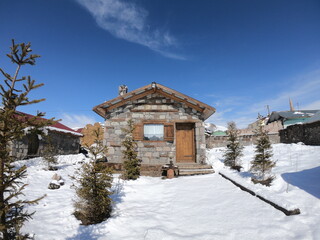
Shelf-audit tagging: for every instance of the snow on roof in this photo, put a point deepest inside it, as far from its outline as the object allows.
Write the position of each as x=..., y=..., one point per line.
x=314, y=118
x=57, y=126
x=63, y=129
x=275, y=116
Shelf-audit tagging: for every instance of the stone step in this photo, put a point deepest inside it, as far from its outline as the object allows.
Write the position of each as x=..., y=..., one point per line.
x=189, y=172
x=150, y=173
x=193, y=166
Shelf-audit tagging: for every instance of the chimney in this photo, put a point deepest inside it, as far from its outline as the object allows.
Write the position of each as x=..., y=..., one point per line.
x=123, y=89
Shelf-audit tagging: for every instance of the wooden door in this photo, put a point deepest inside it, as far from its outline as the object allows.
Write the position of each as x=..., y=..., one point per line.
x=185, y=146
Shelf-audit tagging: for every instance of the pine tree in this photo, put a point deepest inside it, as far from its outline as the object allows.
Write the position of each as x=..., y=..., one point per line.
x=262, y=163
x=234, y=149
x=93, y=204
x=14, y=93
x=131, y=162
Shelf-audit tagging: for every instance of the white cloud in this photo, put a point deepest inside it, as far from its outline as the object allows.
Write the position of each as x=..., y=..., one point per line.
x=303, y=89
x=219, y=118
x=75, y=120
x=313, y=105
x=128, y=21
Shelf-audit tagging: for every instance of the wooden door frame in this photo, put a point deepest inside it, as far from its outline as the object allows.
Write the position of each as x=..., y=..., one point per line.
x=194, y=160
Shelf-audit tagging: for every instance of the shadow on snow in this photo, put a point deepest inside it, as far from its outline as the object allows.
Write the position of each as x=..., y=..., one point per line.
x=307, y=180
x=87, y=232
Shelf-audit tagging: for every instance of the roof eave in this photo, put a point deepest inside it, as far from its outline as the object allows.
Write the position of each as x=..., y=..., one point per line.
x=102, y=108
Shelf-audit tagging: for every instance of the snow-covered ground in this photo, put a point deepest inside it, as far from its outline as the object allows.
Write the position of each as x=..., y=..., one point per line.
x=198, y=207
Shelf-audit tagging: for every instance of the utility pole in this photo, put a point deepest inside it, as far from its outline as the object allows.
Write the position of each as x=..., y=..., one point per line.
x=268, y=110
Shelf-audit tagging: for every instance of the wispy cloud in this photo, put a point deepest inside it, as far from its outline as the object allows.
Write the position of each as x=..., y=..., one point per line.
x=76, y=120
x=303, y=90
x=128, y=21
x=312, y=105
x=219, y=118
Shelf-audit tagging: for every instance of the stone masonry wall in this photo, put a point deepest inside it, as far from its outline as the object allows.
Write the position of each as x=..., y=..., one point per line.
x=245, y=140
x=307, y=133
x=153, y=108
x=64, y=143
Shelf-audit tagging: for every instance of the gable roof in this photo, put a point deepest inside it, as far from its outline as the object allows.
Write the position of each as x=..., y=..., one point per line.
x=57, y=126
x=314, y=118
x=103, y=108
x=287, y=115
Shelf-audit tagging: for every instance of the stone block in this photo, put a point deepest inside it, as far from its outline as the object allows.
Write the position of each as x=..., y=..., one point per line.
x=136, y=115
x=149, y=116
x=164, y=160
x=197, y=131
x=166, y=149
x=118, y=132
x=148, y=154
x=111, y=150
x=164, y=107
x=182, y=110
x=155, y=154
x=159, y=149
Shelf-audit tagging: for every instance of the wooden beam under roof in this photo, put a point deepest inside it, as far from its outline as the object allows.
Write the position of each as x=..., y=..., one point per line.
x=103, y=108
x=179, y=98
x=135, y=96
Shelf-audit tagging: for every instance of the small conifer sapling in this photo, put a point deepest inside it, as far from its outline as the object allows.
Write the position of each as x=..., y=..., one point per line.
x=262, y=164
x=94, y=181
x=131, y=162
x=234, y=148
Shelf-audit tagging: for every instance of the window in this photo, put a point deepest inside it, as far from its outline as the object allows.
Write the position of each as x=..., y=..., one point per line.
x=153, y=132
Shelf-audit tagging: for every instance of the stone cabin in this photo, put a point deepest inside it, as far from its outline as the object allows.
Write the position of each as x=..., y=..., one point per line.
x=64, y=139
x=169, y=126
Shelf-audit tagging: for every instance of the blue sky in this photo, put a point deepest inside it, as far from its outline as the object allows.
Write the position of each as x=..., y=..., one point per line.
x=237, y=56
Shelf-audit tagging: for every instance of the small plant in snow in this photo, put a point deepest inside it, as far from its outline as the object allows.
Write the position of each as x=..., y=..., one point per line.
x=94, y=180
x=262, y=164
x=131, y=162
x=234, y=149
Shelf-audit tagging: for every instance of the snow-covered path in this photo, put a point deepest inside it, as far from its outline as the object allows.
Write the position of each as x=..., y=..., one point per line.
x=199, y=207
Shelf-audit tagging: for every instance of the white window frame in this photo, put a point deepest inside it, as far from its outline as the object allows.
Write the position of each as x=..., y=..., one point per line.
x=153, y=132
